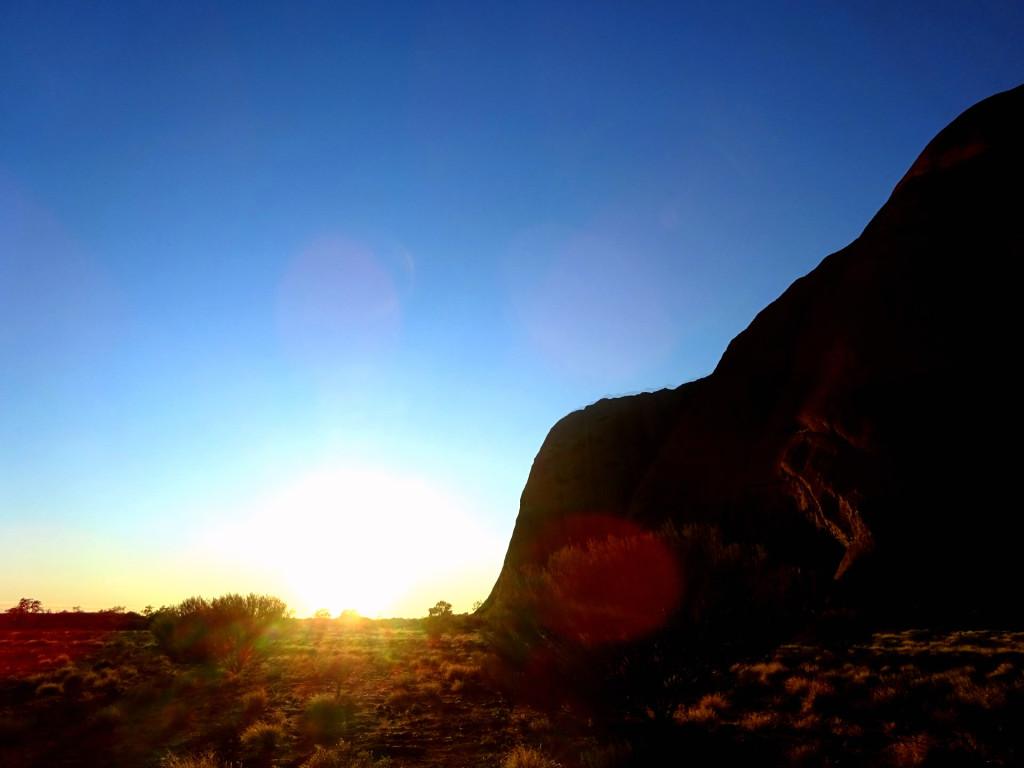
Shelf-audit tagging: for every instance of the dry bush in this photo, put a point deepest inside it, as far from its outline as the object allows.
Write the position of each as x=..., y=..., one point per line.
x=696, y=714
x=762, y=672
x=226, y=630
x=337, y=670
x=1003, y=670
x=466, y=672
x=262, y=739
x=203, y=760
x=400, y=699
x=756, y=721
x=707, y=709
x=857, y=674
x=48, y=689
x=526, y=757
x=796, y=685
x=609, y=756
x=886, y=693
x=717, y=701
x=910, y=751
x=11, y=724
x=808, y=721
x=344, y=755
x=527, y=721
x=109, y=717
x=963, y=690
x=431, y=689
x=74, y=684
x=816, y=690
x=805, y=754
x=254, y=704
x=326, y=718
x=844, y=729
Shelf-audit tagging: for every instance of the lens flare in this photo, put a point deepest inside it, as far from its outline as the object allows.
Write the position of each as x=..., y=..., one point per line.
x=610, y=581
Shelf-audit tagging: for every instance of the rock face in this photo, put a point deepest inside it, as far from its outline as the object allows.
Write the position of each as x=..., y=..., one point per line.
x=864, y=424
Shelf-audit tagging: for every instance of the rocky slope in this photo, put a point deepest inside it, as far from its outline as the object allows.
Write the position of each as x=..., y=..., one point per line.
x=864, y=424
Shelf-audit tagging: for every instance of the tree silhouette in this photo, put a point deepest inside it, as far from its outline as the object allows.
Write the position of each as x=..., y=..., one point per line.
x=26, y=605
x=443, y=609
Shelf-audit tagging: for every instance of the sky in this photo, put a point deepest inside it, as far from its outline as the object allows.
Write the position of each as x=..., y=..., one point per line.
x=290, y=294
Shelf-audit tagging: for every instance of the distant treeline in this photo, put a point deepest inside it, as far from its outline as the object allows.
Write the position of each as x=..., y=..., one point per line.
x=102, y=620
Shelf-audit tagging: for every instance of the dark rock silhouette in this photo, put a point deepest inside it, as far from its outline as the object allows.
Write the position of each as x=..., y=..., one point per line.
x=863, y=425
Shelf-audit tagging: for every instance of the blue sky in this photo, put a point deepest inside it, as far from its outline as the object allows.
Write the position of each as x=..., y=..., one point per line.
x=269, y=273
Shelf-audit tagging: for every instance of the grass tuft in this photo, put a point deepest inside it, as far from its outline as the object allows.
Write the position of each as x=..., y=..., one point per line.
x=526, y=757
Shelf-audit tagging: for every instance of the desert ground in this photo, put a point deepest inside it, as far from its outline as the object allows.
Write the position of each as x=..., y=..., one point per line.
x=435, y=692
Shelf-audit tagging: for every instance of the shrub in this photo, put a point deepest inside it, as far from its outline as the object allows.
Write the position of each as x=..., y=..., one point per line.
x=453, y=671
x=336, y=670
x=707, y=709
x=327, y=717
x=254, y=704
x=227, y=629
x=109, y=718
x=49, y=689
x=74, y=684
x=910, y=751
x=755, y=721
x=762, y=671
x=610, y=756
x=261, y=739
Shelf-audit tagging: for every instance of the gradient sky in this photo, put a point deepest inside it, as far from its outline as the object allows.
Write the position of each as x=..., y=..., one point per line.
x=290, y=298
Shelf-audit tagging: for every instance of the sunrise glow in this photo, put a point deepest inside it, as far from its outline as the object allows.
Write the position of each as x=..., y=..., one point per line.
x=360, y=539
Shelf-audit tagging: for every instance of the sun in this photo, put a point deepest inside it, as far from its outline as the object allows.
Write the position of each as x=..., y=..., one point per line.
x=363, y=539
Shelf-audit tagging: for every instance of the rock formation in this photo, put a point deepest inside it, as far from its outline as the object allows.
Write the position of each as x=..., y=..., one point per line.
x=863, y=424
